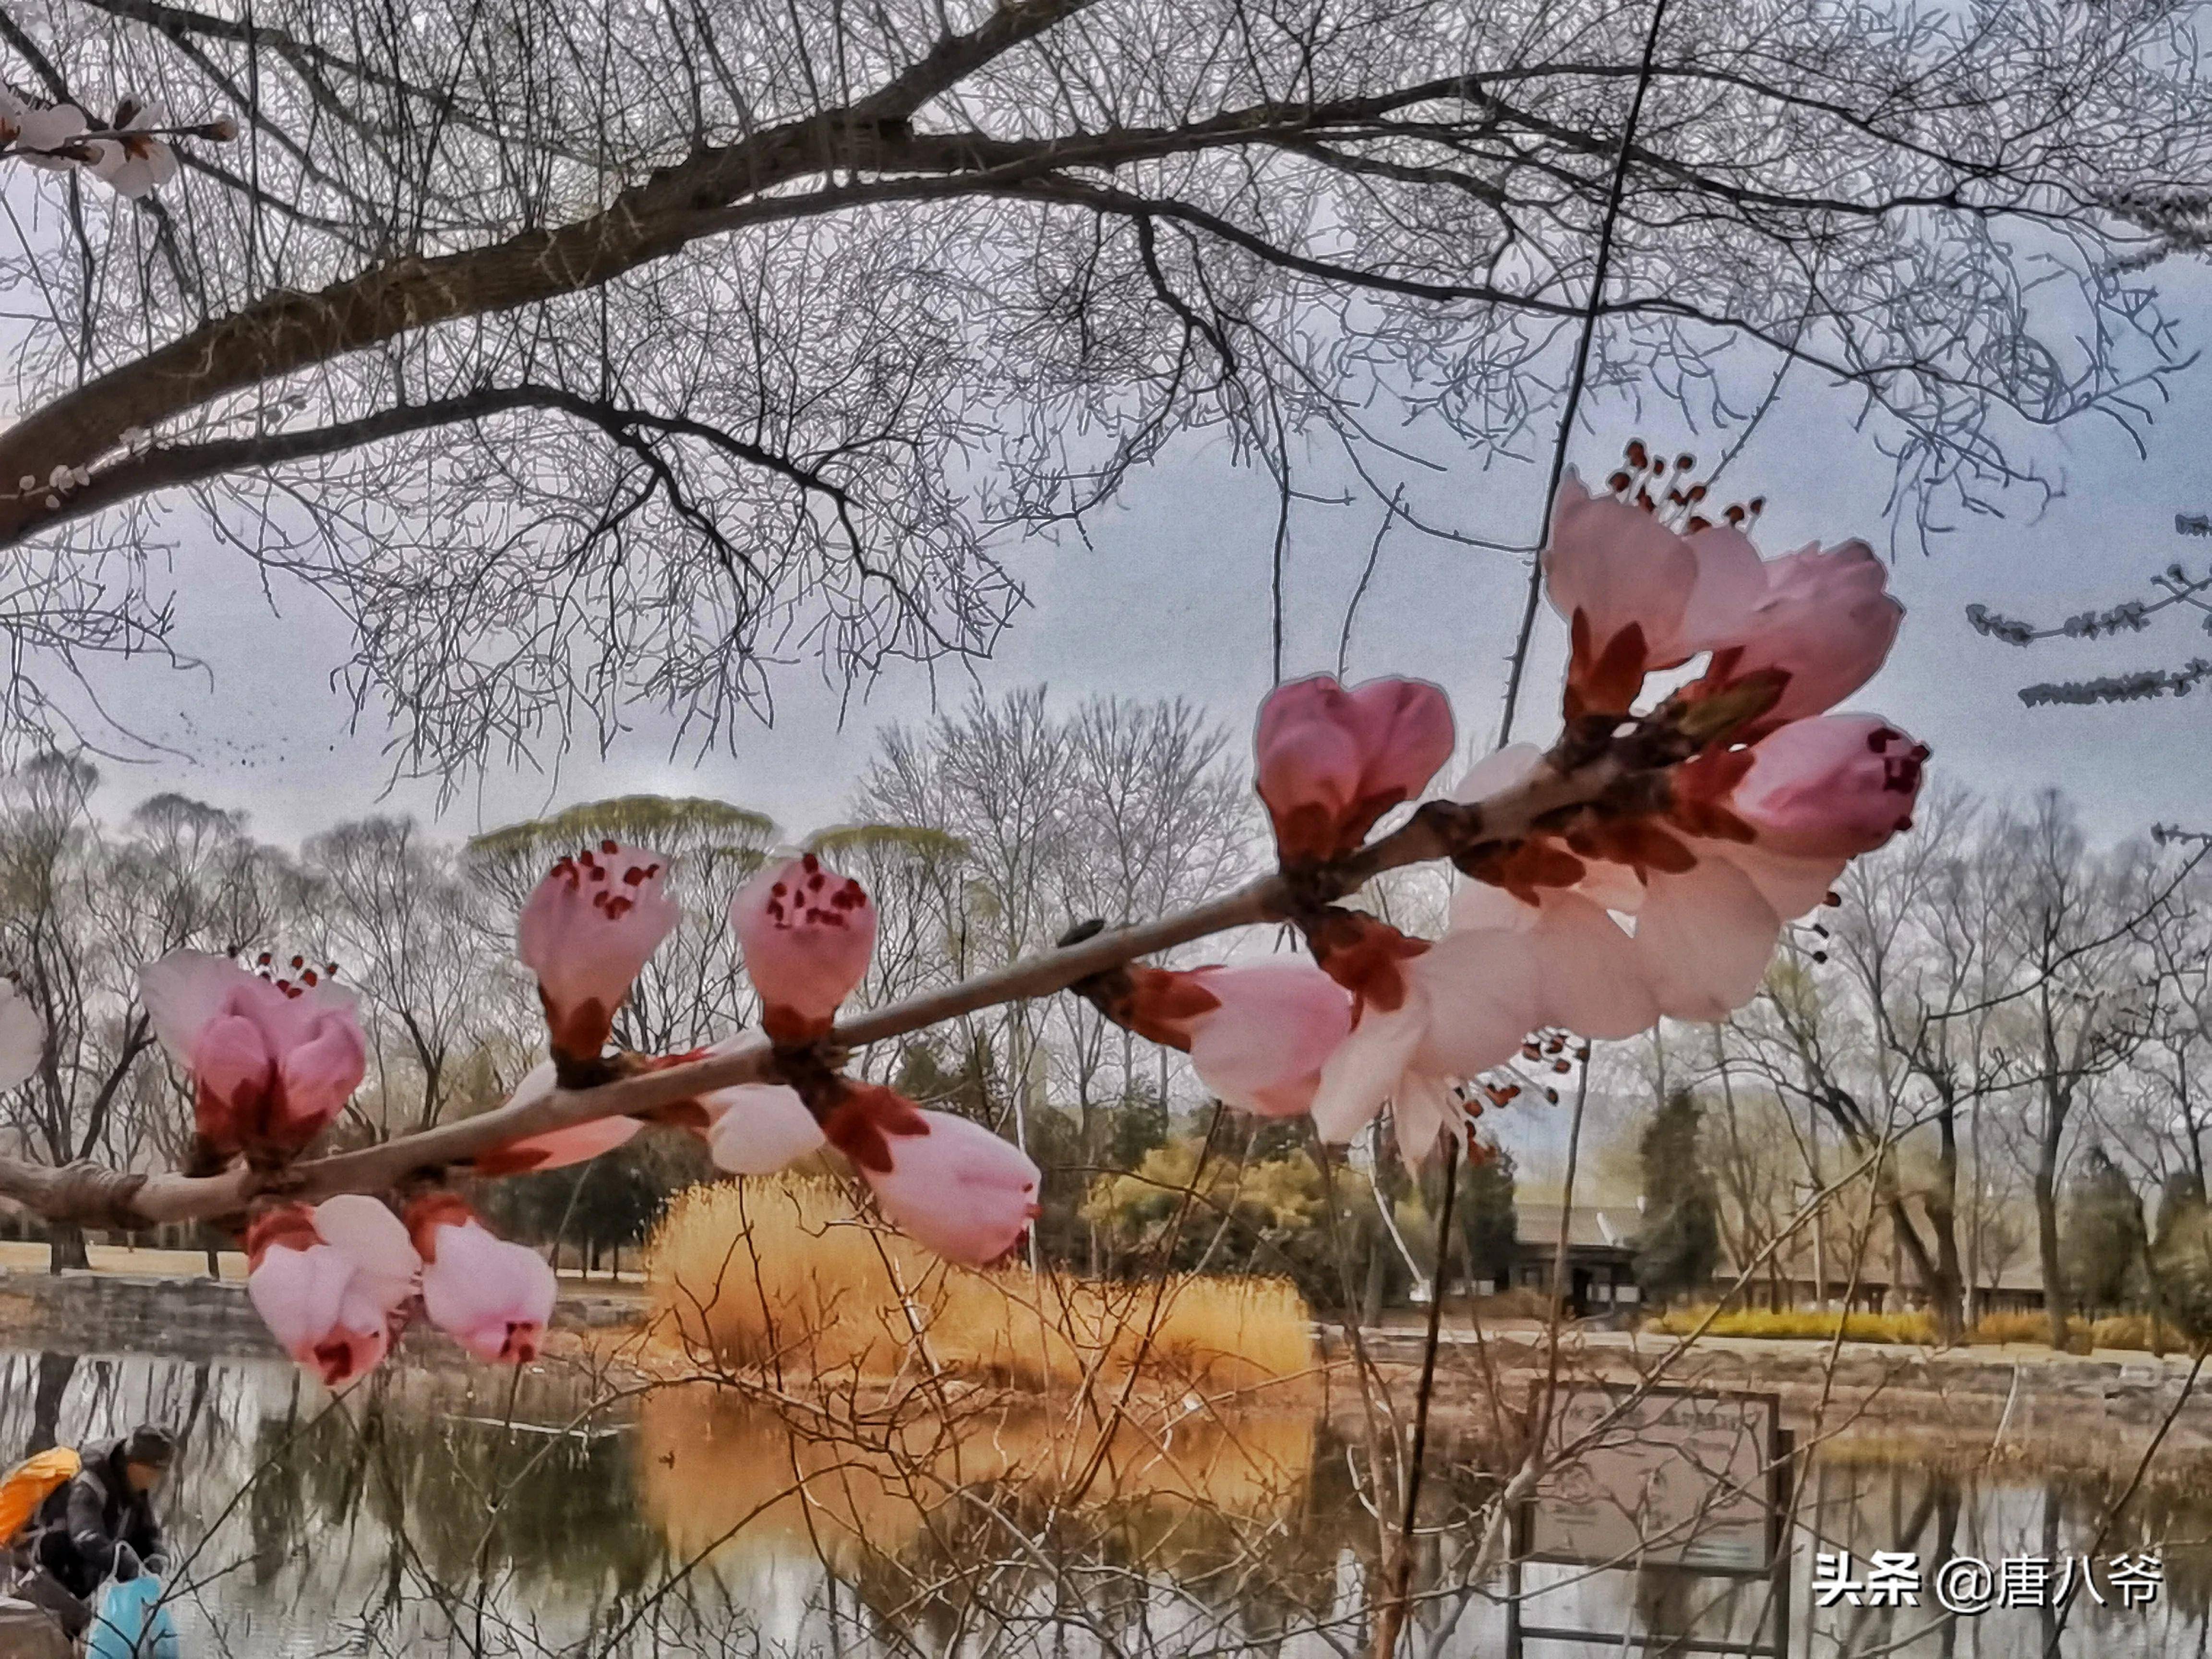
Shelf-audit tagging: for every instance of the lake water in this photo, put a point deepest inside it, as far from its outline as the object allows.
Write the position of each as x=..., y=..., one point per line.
x=466, y=1512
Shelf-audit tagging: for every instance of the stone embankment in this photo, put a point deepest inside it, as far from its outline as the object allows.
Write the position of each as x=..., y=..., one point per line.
x=98, y=1312
x=2008, y=1396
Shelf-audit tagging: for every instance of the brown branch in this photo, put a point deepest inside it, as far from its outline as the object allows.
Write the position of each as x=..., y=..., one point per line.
x=171, y=465
x=90, y=1196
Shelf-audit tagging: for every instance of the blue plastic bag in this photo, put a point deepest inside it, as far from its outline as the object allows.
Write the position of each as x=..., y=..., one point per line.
x=132, y=1623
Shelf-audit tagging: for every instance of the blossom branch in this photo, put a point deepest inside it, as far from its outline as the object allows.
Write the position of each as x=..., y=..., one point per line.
x=90, y=1195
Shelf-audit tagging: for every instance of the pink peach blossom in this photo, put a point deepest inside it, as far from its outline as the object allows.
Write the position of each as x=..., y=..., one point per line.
x=331, y=1282
x=1469, y=1002
x=1617, y=566
x=757, y=1128
x=492, y=1296
x=1330, y=761
x=272, y=1061
x=951, y=1184
x=807, y=933
x=1831, y=788
x=1640, y=595
x=1817, y=793
x=135, y=163
x=587, y=931
x=1823, y=625
x=31, y=129
x=1262, y=1050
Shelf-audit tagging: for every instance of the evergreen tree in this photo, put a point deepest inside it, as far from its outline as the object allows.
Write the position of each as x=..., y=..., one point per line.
x=1490, y=1227
x=2103, y=1242
x=1680, y=1244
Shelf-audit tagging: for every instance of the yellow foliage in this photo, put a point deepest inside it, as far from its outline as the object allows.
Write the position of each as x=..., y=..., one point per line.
x=1803, y=1324
x=2136, y=1330
x=2119, y=1331
x=1996, y=1329
x=782, y=1276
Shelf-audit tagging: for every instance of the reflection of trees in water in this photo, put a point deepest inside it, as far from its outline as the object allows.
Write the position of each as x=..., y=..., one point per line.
x=2171, y=1514
x=1007, y=1524
x=720, y=1528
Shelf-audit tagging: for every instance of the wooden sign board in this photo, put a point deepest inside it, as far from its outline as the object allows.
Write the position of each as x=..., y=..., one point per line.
x=1662, y=1477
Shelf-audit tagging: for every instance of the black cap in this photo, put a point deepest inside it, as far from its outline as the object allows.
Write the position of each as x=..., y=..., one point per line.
x=151, y=1444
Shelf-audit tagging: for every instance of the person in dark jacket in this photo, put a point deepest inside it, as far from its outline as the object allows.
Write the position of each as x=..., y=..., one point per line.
x=109, y=1505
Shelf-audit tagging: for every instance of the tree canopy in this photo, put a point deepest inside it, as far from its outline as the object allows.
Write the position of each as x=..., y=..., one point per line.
x=645, y=349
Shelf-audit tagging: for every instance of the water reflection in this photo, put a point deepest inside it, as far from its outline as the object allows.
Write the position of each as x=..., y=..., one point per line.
x=433, y=1513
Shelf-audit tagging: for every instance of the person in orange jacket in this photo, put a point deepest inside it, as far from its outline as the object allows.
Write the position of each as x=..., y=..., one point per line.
x=80, y=1526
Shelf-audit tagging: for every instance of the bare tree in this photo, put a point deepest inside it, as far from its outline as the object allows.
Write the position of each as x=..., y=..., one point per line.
x=394, y=912
x=2075, y=989
x=642, y=347
x=79, y=909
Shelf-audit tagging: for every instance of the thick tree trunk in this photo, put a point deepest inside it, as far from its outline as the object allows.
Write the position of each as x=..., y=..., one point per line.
x=66, y=1242
x=1946, y=1296
x=2057, y=1304
x=1370, y=1300
x=55, y=1371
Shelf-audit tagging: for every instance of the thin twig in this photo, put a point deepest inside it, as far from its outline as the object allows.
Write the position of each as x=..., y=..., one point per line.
x=1595, y=301
x=1391, y=1616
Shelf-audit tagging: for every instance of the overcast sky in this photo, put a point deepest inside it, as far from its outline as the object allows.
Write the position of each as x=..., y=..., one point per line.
x=1170, y=597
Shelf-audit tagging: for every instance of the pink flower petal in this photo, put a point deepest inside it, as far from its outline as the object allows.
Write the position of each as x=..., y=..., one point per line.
x=371, y=1238
x=1480, y=993
x=1827, y=621
x=1423, y=1111
x=587, y=931
x=1406, y=734
x=1365, y=1071
x=1328, y=762
x=272, y=1063
x=959, y=1189
x=331, y=1303
x=555, y=1149
x=1703, y=939
x=1732, y=583
x=236, y=1076
x=318, y=1077
x=1619, y=567
x=1829, y=787
x=183, y=992
x=1790, y=886
x=492, y=1296
x=807, y=933
x=760, y=1127
x=1263, y=1048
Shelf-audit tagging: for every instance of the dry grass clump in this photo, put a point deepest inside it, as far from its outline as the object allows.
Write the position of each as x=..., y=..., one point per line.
x=783, y=1275
x=1998, y=1329
x=2136, y=1330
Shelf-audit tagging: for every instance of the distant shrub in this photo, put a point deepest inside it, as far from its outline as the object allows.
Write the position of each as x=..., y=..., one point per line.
x=1992, y=1329
x=1801, y=1324
x=2136, y=1330
x=2133, y=1330
x=1997, y=1328
x=1521, y=1302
